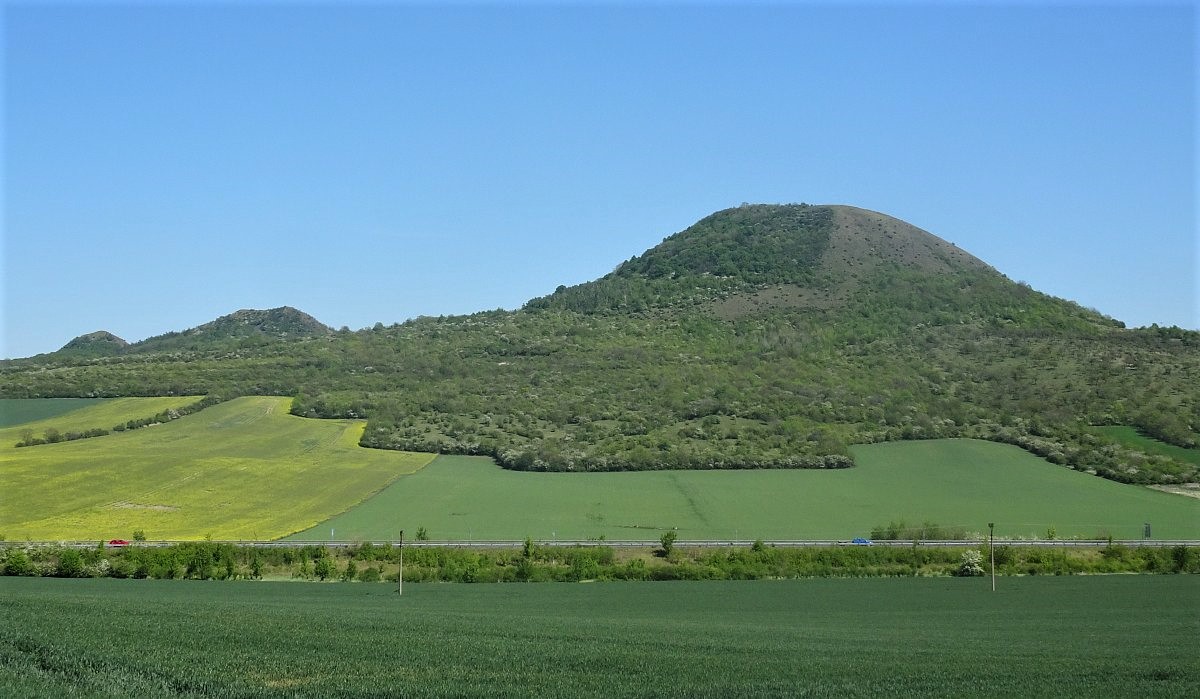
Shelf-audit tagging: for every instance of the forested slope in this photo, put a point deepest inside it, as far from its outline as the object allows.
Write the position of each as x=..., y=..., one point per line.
x=763, y=336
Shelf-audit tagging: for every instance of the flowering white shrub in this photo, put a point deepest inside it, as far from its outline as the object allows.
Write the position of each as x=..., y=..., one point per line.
x=971, y=563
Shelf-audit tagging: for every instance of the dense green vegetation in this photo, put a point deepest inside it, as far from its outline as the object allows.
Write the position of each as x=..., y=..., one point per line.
x=1073, y=636
x=959, y=484
x=97, y=344
x=762, y=337
x=367, y=562
x=734, y=250
x=241, y=469
x=242, y=330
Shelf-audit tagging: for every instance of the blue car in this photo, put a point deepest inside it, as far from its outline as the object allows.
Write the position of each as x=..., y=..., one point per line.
x=861, y=541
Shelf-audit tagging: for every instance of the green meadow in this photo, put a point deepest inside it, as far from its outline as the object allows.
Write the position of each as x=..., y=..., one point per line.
x=14, y=411
x=953, y=483
x=78, y=414
x=1130, y=437
x=1084, y=636
x=244, y=469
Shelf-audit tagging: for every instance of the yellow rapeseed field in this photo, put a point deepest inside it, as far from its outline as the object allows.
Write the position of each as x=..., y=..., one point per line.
x=244, y=469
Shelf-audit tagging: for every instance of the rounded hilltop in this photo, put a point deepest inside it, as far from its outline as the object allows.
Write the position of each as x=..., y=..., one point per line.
x=97, y=343
x=829, y=259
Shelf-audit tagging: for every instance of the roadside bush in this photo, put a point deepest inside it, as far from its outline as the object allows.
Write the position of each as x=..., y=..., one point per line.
x=15, y=561
x=122, y=568
x=668, y=542
x=208, y=560
x=971, y=563
x=1004, y=554
x=324, y=568
x=70, y=564
x=1181, y=557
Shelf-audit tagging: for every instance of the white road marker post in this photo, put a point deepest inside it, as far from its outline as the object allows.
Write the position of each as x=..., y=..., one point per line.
x=992, y=552
x=400, y=575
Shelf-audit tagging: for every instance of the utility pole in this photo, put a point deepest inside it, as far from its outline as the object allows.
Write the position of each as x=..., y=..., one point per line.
x=992, y=552
x=400, y=575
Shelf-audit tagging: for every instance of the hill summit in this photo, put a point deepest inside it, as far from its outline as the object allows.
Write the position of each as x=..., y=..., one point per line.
x=283, y=323
x=240, y=328
x=766, y=243
x=761, y=258
x=100, y=342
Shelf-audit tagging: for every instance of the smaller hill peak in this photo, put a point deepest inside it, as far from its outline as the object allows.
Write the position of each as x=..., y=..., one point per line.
x=96, y=343
x=247, y=324
x=284, y=320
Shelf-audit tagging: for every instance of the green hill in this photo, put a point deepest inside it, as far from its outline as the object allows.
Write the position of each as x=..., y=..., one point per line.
x=244, y=328
x=99, y=343
x=766, y=336
x=803, y=256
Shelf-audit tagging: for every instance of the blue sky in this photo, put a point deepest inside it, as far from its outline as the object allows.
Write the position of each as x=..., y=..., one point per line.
x=168, y=163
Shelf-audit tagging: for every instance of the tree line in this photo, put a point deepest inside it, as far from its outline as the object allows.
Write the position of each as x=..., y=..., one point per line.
x=206, y=560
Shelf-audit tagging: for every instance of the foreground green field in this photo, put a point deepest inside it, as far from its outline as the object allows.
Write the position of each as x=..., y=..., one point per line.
x=955, y=483
x=242, y=469
x=1078, y=636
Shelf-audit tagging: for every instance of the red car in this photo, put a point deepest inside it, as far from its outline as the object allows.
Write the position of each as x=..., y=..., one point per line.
x=118, y=542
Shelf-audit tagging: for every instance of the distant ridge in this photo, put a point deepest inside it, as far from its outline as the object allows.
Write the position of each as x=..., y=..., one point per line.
x=246, y=326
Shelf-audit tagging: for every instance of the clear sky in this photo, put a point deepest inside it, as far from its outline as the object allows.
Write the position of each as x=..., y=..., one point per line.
x=168, y=163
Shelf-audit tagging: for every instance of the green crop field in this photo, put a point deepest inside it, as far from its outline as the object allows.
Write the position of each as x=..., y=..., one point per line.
x=14, y=411
x=242, y=469
x=247, y=469
x=963, y=483
x=1130, y=437
x=79, y=414
x=1036, y=636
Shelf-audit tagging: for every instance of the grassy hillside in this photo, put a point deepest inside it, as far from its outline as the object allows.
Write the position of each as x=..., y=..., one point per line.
x=242, y=469
x=81, y=415
x=1128, y=636
x=14, y=411
x=953, y=483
